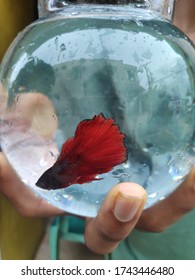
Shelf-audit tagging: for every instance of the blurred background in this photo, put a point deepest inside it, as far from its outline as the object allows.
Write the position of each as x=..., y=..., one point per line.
x=14, y=16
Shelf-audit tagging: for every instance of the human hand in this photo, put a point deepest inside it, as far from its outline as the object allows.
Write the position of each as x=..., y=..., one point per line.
x=120, y=212
x=163, y=214
x=118, y=215
x=21, y=197
x=154, y=219
x=168, y=211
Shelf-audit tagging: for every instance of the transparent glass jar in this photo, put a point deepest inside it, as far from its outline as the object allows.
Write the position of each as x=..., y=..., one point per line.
x=124, y=60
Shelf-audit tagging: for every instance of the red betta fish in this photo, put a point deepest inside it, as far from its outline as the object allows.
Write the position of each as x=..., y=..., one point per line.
x=96, y=148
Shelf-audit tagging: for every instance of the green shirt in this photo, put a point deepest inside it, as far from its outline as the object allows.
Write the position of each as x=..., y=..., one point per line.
x=176, y=243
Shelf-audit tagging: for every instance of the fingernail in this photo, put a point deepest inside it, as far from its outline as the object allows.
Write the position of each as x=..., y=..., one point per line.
x=126, y=207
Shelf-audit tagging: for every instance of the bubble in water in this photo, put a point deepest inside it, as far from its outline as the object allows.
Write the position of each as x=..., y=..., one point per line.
x=74, y=13
x=169, y=10
x=179, y=168
x=152, y=195
x=62, y=47
x=56, y=40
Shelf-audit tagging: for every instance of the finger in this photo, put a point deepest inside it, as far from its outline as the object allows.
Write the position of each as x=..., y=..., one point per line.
x=163, y=214
x=21, y=197
x=117, y=217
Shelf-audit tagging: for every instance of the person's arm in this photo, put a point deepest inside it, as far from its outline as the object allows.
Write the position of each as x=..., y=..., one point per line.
x=162, y=215
x=184, y=17
x=21, y=197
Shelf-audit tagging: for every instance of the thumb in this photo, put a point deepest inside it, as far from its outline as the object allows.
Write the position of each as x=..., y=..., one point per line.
x=117, y=217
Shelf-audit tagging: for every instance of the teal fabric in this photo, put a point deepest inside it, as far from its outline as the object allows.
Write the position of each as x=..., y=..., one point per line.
x=176, y=243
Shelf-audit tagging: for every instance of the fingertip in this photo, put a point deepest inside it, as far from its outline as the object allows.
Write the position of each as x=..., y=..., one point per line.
x=129, y=190
x=129, y=201
x=117, y=217
x=133, y=190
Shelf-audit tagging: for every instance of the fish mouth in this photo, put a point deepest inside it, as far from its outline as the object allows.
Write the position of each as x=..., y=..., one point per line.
x=42, y=185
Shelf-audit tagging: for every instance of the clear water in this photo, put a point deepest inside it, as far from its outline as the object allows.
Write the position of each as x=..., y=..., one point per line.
x=139, y=72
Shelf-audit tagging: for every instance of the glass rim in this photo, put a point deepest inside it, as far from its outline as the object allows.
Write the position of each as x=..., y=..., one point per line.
x=164, y=7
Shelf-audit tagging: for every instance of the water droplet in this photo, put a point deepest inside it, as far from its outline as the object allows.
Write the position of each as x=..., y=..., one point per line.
x=43, y=162
x=139, y=23
x=62, y=47
x=56, y=42
x=126, y=164
x=150, y=179
x=65, y=196
x=169, y=10
x=156, y=172
x=152, y=195
x=74, y=13
x=61, y=4
x=52, y=154
x=124, y=178
x=179, y=168
x=117, y=171
x=145, y=150
x=57, y=198
x=35, y=61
